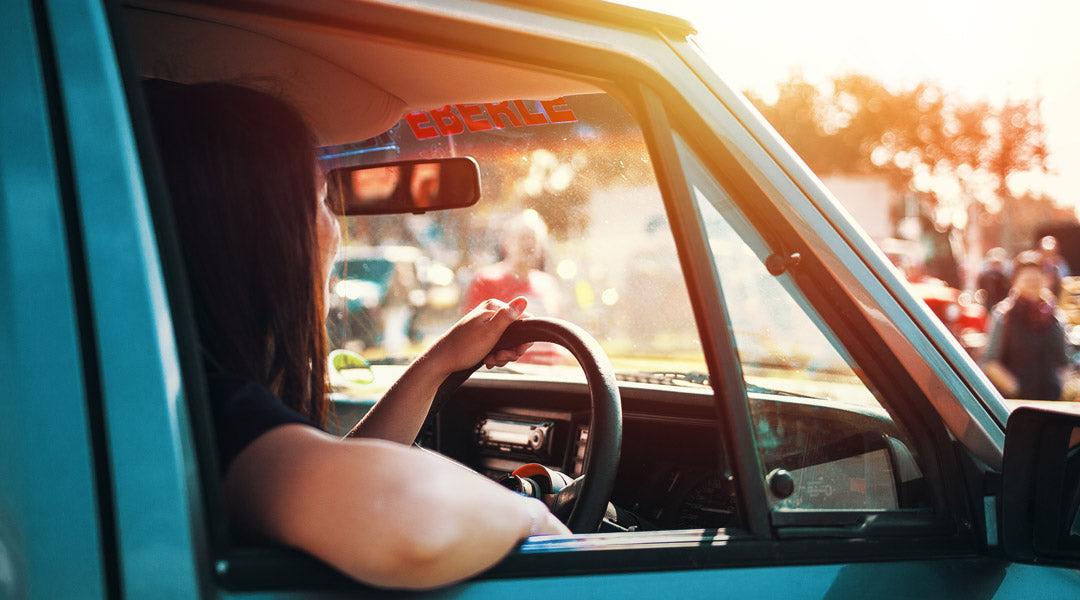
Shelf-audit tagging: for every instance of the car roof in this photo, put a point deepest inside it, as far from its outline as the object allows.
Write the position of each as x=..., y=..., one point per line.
x=616, y=13
x=346, y=64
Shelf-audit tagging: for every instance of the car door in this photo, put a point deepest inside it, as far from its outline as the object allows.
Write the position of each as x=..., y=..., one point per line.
x=52, y=543
x=933, y=533
x=734, y=198
x=99, y=442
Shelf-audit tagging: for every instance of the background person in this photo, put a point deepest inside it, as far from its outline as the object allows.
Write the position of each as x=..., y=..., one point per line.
x=259, y=241
x=520, y=273
x=1026, y=351
x=992, y=284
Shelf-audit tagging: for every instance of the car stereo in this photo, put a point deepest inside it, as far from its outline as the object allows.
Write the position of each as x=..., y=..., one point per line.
x=515, y=436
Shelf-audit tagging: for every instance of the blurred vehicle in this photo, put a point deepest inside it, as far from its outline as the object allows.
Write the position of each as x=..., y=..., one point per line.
x=381, y=295
x=965, y=318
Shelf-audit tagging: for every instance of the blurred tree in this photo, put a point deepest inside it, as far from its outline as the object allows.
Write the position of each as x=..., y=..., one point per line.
x=947, y=151
x=1020, y=141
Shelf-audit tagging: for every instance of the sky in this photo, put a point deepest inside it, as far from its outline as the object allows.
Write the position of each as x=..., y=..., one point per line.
x=975, y=50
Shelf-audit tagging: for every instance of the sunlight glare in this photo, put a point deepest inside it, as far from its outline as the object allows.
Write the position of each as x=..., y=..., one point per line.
x=973, y=50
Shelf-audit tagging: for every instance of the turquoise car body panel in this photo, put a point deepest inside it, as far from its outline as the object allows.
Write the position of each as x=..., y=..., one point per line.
x=144, y=412
x=975, y=579
x=99, y=489
x=50, y=536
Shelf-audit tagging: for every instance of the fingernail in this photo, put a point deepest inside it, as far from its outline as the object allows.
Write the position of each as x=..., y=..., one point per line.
x=517, y=306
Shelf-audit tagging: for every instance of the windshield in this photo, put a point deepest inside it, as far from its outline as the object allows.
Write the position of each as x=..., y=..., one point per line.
x=570, y=217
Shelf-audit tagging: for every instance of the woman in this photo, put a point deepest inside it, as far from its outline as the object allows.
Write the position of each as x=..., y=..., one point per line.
x=259, y=242
x=1026, y=351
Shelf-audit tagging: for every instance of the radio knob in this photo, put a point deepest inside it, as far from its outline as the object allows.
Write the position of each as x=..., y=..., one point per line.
x=536, y=439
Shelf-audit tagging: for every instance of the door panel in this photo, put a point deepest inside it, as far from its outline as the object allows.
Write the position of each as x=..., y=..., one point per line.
x=50, y=539
x=957, y=579
x=155, y=493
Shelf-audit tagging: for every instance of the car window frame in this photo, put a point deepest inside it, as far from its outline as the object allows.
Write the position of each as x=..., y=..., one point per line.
x=796, y=517
x=49, y=374
x=649, y=98
x=133, y=385
x=953, y=504
x=710, y=312
x=238, y=567
x=972, y=409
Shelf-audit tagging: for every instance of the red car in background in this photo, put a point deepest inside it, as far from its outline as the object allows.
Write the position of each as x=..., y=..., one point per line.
x=965, y=318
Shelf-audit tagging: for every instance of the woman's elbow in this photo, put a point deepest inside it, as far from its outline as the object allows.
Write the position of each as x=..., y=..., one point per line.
x=437, y=547
x=417, y=561
x=441, y=544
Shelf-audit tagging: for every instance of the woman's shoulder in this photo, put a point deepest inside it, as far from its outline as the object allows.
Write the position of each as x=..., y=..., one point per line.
x=243, y=411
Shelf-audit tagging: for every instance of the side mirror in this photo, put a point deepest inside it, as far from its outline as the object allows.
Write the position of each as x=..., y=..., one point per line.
x=1041, y=487
x=412, y=186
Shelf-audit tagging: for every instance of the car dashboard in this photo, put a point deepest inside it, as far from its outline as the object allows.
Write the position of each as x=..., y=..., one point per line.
x=673, y=472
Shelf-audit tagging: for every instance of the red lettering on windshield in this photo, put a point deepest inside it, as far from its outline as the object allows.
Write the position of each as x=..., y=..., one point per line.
x=420, y=123
x=528, y=117
x=447, y=121
x=558, y=111
x=454, y=119
x=502, y=109
x=469, y=114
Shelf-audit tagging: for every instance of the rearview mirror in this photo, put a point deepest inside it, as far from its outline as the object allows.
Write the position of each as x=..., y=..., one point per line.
x=413, y=186
x=1040, y=496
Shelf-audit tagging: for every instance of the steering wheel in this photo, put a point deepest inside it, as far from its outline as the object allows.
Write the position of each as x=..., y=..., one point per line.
x=605, y=423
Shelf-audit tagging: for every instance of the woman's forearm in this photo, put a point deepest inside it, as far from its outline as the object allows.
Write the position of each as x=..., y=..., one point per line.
x=399, y=414
x=386, y=514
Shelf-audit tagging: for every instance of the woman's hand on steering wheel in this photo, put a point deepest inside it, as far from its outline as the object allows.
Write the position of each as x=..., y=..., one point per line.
x=472, y=339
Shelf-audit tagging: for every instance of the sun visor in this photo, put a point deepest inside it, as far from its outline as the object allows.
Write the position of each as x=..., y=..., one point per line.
x=338, y=105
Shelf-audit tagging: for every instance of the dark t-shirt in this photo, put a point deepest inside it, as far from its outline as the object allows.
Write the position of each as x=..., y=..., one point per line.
x=243, y=411
x=1027, y=338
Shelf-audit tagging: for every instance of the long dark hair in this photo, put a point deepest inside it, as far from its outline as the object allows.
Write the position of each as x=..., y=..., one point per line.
x=240, y=168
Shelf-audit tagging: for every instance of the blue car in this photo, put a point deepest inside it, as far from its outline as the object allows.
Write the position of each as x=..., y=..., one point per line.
x=785, y=419
x=382, y=296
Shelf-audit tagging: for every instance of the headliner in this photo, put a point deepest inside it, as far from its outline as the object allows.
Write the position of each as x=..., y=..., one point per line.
x=349, y=84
